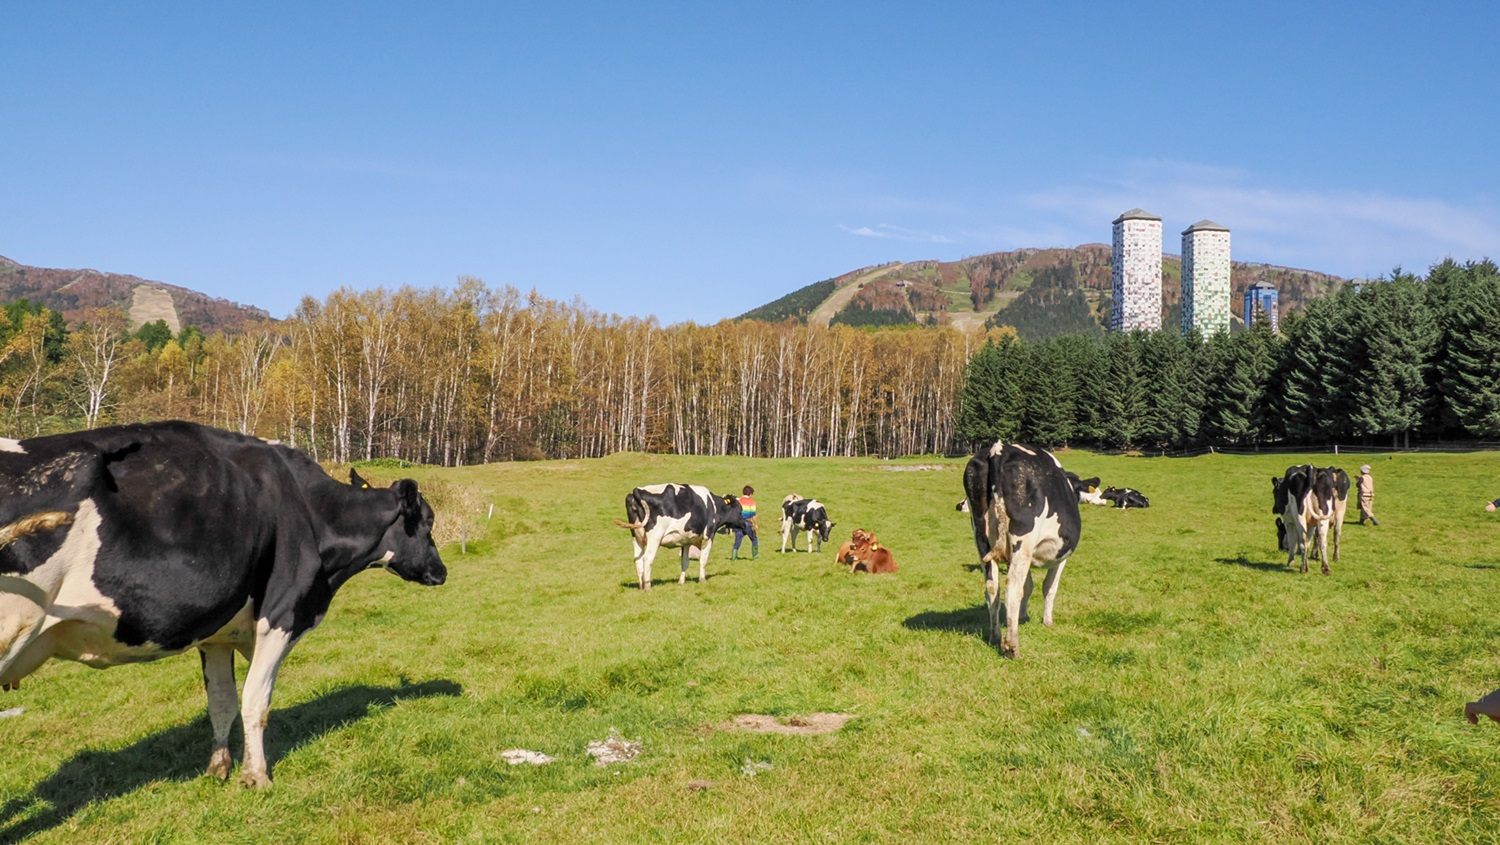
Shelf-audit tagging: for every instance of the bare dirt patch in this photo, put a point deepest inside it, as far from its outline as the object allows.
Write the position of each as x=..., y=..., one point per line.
x=615, y=749
x=813, y=724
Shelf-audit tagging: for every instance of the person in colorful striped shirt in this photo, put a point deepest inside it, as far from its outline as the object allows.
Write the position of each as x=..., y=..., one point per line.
x=747, y=507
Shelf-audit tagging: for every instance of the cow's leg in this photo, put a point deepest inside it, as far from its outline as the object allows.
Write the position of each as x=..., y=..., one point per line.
x=643, y=563
x=686, y=556
x=703, y=560
x=640, y=572
x=271, y=647
x=1323, y=546
x=1015, y=592
x=1026, y=598
x=1302, y=545
x=1049, y=591
x=223, y=703
x=992, y=600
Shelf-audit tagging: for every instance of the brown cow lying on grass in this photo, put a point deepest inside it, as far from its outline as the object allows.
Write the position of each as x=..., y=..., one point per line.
x=869, y=556
x=846, y=551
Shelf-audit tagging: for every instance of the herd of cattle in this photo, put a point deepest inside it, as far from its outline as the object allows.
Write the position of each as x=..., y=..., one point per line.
x=126, y=544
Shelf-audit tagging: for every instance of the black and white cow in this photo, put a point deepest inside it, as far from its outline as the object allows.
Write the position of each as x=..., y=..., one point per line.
x=681, y=516
x=126, y=544
x=1305, y=498
x=1124, y=497
x=1025, y=513
x=809, y=515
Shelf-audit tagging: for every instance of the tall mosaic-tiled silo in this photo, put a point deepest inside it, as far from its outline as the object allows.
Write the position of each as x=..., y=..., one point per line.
x=1205, y=278
x=1136, y=274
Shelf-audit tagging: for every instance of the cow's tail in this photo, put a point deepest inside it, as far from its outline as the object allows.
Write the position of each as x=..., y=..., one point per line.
x=978, y=488
x=635, y=513
x=37, y=523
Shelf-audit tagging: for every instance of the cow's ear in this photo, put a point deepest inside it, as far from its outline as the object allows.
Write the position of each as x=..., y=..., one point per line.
x=359, y=483
x=411, y=500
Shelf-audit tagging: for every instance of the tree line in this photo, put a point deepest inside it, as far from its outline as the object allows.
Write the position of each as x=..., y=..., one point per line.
x=474, y=374
x=1380, y=363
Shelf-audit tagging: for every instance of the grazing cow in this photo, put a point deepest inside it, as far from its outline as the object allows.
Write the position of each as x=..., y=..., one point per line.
x=128, y=544
x=681, y=516
x=1025, y=514
x=1305, y=495
x=1125, y=497
x=870, y=557
x=845, y=555
x=799, y=514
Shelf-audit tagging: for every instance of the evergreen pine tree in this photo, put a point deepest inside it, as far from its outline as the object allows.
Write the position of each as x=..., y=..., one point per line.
x=1124, y=397
x=990, y=400
x=1391, y=394
x=1469, y=381
x=1050, y=391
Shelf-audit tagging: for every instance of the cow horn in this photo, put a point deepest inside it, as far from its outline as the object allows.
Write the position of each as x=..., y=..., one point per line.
x=630, y=525
x=34, y=524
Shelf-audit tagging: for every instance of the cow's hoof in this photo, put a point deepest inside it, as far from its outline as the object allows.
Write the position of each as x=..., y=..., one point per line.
x=219, y=764
x=1010, y=652
x=255, y=780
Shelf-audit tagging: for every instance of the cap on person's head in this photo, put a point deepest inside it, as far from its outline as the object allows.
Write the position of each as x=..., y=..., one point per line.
x=749, y=491
x=1364, y=470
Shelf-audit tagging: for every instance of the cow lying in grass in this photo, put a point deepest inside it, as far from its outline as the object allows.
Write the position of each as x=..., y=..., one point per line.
x=871, y=557
x=846, y=550
x=1025, y=513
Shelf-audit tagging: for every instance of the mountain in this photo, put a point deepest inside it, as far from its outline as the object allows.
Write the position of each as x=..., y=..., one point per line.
x=1039, y=291
x=74, y=292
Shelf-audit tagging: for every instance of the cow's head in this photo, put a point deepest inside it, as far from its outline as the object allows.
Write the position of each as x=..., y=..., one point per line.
x=824, y=526
x=407, y=545
x=730, y=514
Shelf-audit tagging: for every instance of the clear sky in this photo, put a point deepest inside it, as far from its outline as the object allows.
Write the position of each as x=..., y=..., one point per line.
x=694, y=160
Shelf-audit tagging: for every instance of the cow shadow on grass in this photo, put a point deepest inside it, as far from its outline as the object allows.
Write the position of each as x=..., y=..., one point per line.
x=972, y=621
x=672, y=580
x=181, y=754
x=1262, y=565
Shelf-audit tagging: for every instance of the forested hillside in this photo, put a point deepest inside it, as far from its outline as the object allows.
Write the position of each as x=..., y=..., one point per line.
x=74, y=293
x=1039, y=292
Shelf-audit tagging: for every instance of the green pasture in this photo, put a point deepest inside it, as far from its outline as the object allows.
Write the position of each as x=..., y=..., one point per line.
x=1193, y=689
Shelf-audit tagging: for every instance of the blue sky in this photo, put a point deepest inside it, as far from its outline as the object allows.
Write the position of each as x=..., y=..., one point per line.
x=695, y=160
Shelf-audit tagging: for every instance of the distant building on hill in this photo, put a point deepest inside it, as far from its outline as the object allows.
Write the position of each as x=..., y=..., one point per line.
x=1135, y=277
x=1205, y=278
x=1261, y=303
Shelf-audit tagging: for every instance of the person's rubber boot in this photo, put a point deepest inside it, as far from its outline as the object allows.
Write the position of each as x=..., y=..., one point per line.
x=1375, y=521
x=755, y=552
x=734, y=554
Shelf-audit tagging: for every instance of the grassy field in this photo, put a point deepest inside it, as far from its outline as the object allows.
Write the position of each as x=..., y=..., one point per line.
x=1193, y=689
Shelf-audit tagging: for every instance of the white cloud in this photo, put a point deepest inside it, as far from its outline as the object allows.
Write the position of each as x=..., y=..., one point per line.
x=896, y=233
x=1354, y=233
